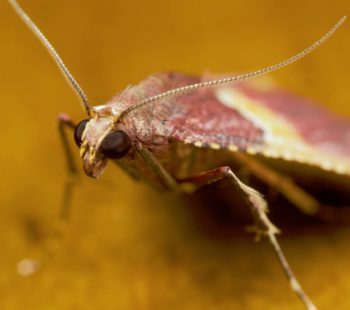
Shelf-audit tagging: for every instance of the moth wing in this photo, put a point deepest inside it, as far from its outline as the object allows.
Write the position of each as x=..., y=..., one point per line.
x=259, y=118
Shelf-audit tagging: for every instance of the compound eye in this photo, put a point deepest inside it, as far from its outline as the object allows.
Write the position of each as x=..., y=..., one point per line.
x=115, y=145
x=78, y=132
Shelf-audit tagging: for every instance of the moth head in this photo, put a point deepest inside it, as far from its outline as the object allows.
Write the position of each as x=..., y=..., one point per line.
x=99, y=141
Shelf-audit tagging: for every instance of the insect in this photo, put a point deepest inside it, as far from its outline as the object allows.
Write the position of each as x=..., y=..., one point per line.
x=180, y=132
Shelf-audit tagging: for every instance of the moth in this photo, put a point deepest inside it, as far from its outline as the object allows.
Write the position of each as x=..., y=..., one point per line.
x=180, y=132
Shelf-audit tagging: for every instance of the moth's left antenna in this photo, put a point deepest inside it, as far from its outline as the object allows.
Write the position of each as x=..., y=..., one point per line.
x=71, y=80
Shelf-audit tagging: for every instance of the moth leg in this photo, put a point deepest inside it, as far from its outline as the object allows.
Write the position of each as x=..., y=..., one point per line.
x=259, y=209
x=27, y=267
x=64, y=122
x=157, y=168
x=280, y=183
x=304, y=201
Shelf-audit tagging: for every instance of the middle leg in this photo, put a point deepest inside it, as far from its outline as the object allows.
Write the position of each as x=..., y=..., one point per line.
x=259, y=209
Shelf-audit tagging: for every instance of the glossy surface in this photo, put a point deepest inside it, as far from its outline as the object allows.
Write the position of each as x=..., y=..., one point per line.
x=115, y=145
x=128, y=246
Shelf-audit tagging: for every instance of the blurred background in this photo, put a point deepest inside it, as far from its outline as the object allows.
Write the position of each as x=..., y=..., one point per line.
x=128, y=246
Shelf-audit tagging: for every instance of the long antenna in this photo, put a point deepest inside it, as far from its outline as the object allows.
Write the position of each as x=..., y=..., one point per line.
x=35, y=29
x=250, y=75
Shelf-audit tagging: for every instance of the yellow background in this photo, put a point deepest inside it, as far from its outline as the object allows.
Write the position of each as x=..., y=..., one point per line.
x=127, y=246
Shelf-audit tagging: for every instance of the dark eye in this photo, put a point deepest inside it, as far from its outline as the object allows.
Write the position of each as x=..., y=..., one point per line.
x=115, y=145
x=78, y=132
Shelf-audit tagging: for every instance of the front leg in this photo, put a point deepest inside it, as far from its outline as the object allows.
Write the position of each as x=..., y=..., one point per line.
x=258, y=206
x=257, y=203
x=168, y=181
x=29, y=266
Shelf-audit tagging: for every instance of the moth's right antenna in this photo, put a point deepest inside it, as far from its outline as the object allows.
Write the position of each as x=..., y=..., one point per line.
x=71, y=80
x=232, y=79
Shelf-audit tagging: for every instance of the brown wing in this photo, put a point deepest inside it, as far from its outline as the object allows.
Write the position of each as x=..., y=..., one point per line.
x=260, y=118
x=200, y=118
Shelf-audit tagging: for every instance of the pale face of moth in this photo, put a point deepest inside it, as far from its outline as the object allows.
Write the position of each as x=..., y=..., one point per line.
x=100, y=139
